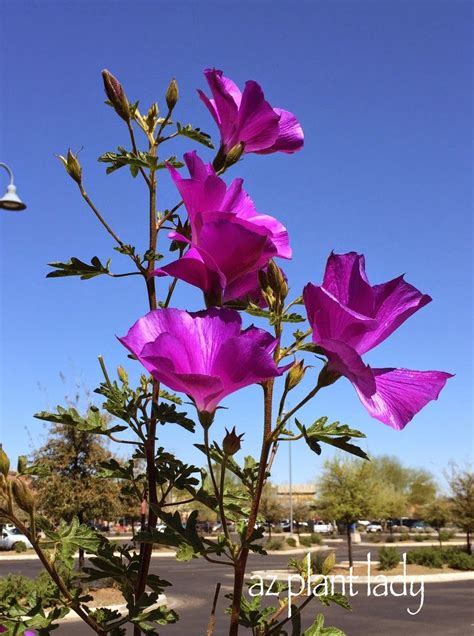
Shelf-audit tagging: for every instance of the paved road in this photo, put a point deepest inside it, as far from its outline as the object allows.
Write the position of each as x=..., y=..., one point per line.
x=447, y=609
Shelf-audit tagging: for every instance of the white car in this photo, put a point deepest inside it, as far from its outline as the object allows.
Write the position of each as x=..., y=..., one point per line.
x=10, y=536
x=322, y=526
x=374, y=527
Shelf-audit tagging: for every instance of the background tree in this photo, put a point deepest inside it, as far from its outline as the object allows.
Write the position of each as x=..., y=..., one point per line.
x=348, y=491
x=271, y=508
x=408, y=488
x=461, y=484
x=73, y=486
x=437, y=514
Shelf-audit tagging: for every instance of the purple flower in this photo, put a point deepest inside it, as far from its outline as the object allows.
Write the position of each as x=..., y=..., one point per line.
x=230, y=240
x=249, y=119
x=349, y=317
x=203, y=354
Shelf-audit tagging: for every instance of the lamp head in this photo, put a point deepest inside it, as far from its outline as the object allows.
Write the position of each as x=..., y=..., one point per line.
x=11, y=201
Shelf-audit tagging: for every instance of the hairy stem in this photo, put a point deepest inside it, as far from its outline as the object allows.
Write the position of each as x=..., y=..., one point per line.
x=241, y=561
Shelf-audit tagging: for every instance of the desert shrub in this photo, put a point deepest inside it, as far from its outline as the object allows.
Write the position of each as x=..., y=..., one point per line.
x=388, y=558
x=316, y=538
x=374, y=538
x=14, y=588
x=459, y=560
x=19, y=546
x=291, y=541
x=274, y=544
x=429, y=557
x=391, y=538
x=419, y=538
x=305, y=541
x=446, y=535
x=277, y=530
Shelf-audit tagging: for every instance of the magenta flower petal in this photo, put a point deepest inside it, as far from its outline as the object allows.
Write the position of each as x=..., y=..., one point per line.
x=248, y=118
x=290, y=136
x=230, y=240
x=345, y=360
x=257, y=124
x=348, y=308
x=331, y=319
x=401, y=393
x=204, y=355
x=394, y=302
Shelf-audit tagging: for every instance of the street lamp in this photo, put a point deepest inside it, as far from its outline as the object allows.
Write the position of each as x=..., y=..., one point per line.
x=10, y=200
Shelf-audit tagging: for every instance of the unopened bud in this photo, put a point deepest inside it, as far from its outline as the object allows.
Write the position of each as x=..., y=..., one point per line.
x=231, y=442
x=151, y=117
x=116, y=95
x=4, y=463
x=275, y=276
x=72, y=165
x=234, y=154
x=23, y=495
x=21, y=464
x=294, y=375
x=172, y=94
x=327, y=377
x=122, y=374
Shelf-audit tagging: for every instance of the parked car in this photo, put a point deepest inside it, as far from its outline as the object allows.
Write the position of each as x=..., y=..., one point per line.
x=219, y=528
x=11, y=536
x=363, y=522
x=322, y=526
x=374, y=527
x=297, y=525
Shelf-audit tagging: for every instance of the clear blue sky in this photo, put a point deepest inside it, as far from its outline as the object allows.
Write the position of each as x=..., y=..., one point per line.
x=383, y=90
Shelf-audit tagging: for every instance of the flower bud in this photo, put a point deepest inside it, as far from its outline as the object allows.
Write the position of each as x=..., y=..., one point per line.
x=72, y=165
x=116, y=95
x=172, y=94
x=327, y=377
x=294, y=375
x=234, y=154
x=122, y=374
x=276, y=279
x=23, y=495
x=21, y=464
x=4, y=463
x=231, y=442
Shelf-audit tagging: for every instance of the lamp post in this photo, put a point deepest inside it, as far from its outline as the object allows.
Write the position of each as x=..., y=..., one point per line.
x=10, y=200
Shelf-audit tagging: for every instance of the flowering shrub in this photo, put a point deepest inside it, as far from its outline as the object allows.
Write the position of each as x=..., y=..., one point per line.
x=221, y=244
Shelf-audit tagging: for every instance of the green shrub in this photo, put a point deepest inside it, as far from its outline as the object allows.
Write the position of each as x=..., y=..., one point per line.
x=19, y=546
x=374, y=538
x=274, y=544
x=459, y=560
x=291, y=541
x=429, y=557
x=306, y=542
x=419, y=538
x=388, y=558
x=277, y=530
x=14, y=588
x=391, y=538
x=446, y=535
x=316, y=538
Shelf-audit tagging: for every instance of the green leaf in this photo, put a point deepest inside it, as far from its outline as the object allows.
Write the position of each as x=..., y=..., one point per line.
x=76, y=267
x=334, y=434
x=69, y=538
x=167, y=414
x=185, y=552
x=127, y=158
x=93, y=422
x=318, y=629
x=195, y=134
x=171, y=397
